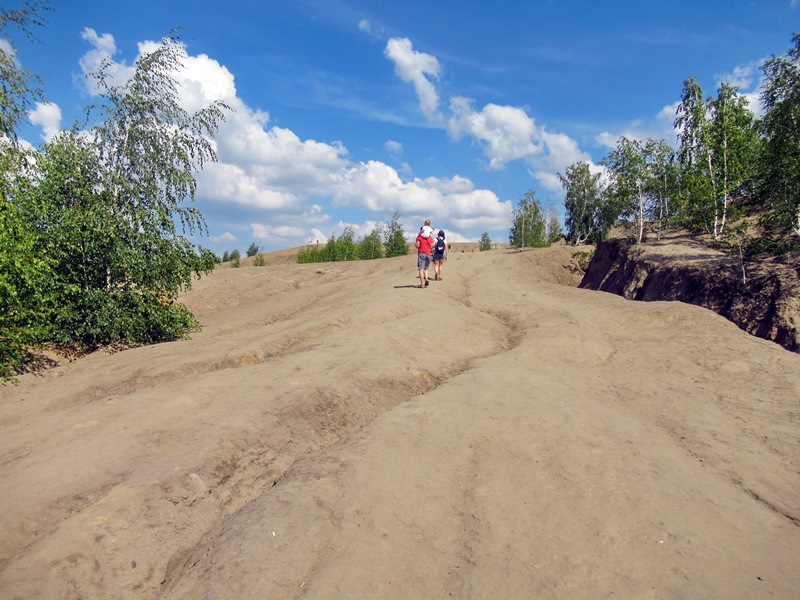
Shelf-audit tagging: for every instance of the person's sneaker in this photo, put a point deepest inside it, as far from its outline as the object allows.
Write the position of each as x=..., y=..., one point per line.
x=436, y=277
x=426, y=283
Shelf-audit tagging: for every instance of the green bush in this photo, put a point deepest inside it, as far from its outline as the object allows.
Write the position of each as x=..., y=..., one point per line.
x=582, y=259
x=90, y=253
x=395, y=240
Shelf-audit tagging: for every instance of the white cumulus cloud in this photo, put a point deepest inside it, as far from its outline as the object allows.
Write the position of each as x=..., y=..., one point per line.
x=280, y=188
x=419, y=69
x=103, y=50
x=48, y=116
x=507, y=133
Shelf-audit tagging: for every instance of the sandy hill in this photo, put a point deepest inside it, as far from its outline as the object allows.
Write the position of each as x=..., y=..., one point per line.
x=335, y=432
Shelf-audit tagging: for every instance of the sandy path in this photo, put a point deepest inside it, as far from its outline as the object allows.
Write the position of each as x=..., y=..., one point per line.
x=335, y=432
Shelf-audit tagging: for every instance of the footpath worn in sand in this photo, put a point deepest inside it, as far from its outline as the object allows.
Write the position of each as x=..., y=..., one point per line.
x=335, y=432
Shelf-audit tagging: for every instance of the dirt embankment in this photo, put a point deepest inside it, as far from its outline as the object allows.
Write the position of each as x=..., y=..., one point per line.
x=762, y=298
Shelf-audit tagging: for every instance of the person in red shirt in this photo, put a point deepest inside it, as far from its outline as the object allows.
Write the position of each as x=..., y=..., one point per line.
x=424, y=247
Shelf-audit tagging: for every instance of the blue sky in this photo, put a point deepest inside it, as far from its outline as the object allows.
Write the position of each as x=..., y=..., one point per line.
x=347, y=111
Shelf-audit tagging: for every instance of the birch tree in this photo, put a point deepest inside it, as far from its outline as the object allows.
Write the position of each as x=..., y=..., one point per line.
x=19, y=88
x=370, y=246
x=528, y=228
x=662, y=182
x=111, y=211
x=628, y=189
x=694, y=158
x=732, y=141
x=779, y=173
x=394, y=238
x=717, y=148
x=588, y=218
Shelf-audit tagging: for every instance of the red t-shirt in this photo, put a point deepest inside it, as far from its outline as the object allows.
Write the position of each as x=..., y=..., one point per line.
x=425, y=245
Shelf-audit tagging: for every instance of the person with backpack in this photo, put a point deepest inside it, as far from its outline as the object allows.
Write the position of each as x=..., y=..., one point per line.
x=440, y=249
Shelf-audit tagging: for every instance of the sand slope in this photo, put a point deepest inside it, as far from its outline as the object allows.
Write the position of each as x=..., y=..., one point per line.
x=334, y=432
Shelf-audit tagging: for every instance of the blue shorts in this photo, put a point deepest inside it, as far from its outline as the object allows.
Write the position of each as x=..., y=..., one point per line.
x=423, y=261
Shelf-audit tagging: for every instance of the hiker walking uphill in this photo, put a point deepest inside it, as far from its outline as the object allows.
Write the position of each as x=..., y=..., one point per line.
x=439, y=254
x=424, y=246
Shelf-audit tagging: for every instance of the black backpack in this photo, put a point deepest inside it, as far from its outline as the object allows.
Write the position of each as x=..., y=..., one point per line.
x=439, y=245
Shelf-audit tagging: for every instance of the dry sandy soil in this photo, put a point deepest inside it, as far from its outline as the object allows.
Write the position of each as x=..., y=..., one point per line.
x=335, y=432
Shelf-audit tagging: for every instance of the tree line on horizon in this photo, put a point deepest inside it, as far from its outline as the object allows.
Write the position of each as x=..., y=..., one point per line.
x=382, y=242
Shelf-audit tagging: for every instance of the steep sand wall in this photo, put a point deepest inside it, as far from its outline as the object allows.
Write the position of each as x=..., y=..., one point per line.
x=761, y=298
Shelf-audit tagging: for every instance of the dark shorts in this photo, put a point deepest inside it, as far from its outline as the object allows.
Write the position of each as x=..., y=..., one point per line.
x=438, y=255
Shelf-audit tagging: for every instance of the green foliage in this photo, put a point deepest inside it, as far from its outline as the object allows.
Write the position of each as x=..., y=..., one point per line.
x=226, y=256
x=589, y=215
x=779, y=165
x=234, y=258
x=19, y=88
x=91, y=251
x=721, y=168
x=717, y=148
x=108, y=209
x=25, y=307
x=643, y=180
x=370, y=246
x=662, y=184
x=627, y=191
x=394, y=239
x=553, y=230
x=253, y=250
x=259, y=261
x=582, y=260
x=691, y=122
x=529, y=228
x=311, y=254
x=694, y=157
x=112, y=284
x=732, y=137
x=485, y=242
x=329, y=250
x=345, y=247
x=150, y=147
